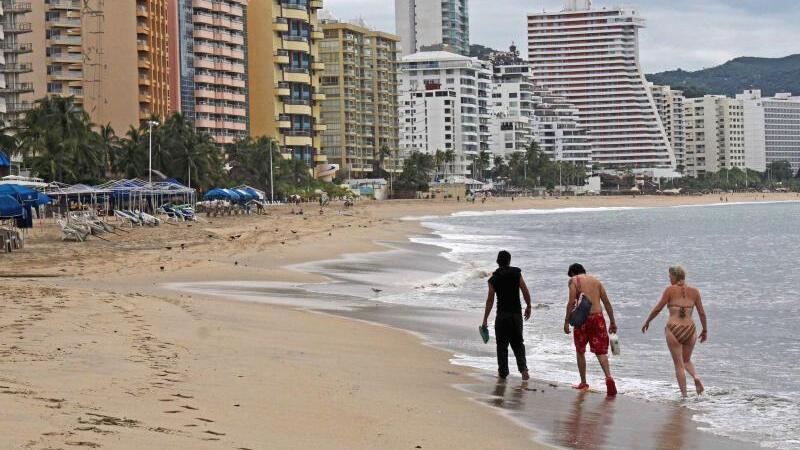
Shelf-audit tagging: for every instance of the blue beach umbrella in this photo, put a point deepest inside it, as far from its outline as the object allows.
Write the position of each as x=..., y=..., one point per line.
x=216, y=194
x=9, y=207
x=21, y=193
x=254, y=193
x=4, y=161
x=43, y=199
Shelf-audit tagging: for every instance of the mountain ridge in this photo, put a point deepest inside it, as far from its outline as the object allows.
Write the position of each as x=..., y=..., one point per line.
x=771, y=75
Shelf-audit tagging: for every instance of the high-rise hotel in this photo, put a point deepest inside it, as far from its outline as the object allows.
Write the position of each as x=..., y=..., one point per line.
x=284, y=68
x=110, y=56
x=208, y=76
x=591, y=57
x=427, y=23
x=360, y=107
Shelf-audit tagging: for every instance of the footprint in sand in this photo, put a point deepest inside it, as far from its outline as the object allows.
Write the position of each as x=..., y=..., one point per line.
x=182, y=396
x=173, y=412
x=204, y=420
x=189, y=407
x=214, y=433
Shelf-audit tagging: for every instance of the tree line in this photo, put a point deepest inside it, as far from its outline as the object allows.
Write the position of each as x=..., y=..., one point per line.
x=524, y=170
x=58, y=142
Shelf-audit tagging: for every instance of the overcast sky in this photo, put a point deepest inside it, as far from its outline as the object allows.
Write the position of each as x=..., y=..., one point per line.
x=687, y=34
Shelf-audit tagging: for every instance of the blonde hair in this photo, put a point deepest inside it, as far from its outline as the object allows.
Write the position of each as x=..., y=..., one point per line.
x=678, y=273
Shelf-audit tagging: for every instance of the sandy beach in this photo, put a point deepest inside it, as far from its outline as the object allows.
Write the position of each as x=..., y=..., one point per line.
x=96, y=352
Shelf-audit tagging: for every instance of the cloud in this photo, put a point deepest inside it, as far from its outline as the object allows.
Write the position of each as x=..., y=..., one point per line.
x=686, y=34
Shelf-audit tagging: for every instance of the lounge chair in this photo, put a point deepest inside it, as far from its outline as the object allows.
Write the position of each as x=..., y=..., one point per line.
x=127, y=217
x=71, y=232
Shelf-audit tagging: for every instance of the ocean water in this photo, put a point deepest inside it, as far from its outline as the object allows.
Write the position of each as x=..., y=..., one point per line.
x=744, y=258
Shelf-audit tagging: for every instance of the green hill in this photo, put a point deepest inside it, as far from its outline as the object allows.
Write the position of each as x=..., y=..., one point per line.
x=771, y=75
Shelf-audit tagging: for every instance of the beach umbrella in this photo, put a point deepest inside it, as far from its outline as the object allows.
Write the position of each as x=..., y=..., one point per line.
x=232, y=195
x=9, y=207
x=21, y=193
x=254, y=193
x=245, y=196
x=4, y=161
x=43, y=199
x=216, y=194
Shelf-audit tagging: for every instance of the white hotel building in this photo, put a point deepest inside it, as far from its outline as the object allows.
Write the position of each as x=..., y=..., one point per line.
x=444, y=105
x=591, y=57
x=779, y=119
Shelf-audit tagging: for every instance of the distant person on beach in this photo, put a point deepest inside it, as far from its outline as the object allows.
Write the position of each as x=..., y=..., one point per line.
x=680, y=331
x=593, y=332
x=506, y=283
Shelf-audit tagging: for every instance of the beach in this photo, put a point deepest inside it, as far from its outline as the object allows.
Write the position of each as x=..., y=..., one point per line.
x=97, y=351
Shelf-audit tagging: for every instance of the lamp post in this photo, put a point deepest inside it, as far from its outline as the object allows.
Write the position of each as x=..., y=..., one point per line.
x=271, y=181
x=151, y=124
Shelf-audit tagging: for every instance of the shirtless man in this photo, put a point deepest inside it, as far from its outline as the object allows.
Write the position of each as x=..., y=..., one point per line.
x=593, y=331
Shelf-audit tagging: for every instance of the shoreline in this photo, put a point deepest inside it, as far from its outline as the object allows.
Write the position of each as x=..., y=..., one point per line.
x=133, y=339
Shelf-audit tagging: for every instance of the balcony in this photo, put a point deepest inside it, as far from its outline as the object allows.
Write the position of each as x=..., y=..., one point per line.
x=319, y=128
x=65, y=40
x=281, y=25
x=317, y=35
x=19, y=107
x=284, y=122
x=65, y=5
x=64, y=22
x=297, y=77
x=299, y=141
x=295, y=12
x=283, y=90
x=318, y=97
x=141, y=11
x=144, y=63
x=17, y=7
x=67, y=58
x=8, y=47
x=17, y=28
x=315, y=4
x=296, y=43
x=17, y=88
x=16, y=68
x=281, y=57
x=301, y=110
x=318, y=66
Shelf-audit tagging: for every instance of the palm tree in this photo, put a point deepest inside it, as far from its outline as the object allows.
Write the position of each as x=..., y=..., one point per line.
x=449, y=157
x=482, y=163
x=130, y=159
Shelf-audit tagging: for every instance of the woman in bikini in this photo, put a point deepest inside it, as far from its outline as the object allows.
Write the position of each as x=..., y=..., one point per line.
x=681, y=332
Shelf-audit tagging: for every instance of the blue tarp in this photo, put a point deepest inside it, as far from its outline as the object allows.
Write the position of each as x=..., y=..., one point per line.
x=4, y=161
x=216, y=194
x=9, y=207
x=22, y=194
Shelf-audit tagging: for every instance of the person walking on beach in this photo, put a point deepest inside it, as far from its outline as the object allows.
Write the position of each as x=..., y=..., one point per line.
x=680, y=331
x=506, y=283
x=593, y=331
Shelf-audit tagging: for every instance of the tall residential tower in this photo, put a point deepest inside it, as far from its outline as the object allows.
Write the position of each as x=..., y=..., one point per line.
x=283, y=73
x=591, y=57
x=211, y=72
x=360, y=107
x=425, y=23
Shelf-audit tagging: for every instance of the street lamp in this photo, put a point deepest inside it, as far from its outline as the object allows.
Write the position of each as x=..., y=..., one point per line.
x=151, y=124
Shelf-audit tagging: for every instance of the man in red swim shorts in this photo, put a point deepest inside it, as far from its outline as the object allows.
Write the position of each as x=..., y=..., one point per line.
x=593, y=332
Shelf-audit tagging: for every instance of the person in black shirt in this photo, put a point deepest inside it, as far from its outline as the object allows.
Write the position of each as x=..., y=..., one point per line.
x=505, y=283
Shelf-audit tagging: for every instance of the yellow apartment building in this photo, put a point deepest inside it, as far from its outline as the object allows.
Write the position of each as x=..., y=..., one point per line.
x=360, y=107
x=283, y=39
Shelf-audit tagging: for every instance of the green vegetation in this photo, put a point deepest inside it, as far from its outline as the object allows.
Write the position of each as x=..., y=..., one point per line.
x=519, y=170
x=249, y=163
x=480, y=51
x=59, y=143
x=778, y=175
x=771, y=75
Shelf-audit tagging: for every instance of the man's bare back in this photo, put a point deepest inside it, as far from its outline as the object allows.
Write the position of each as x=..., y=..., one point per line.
x=590, y=287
